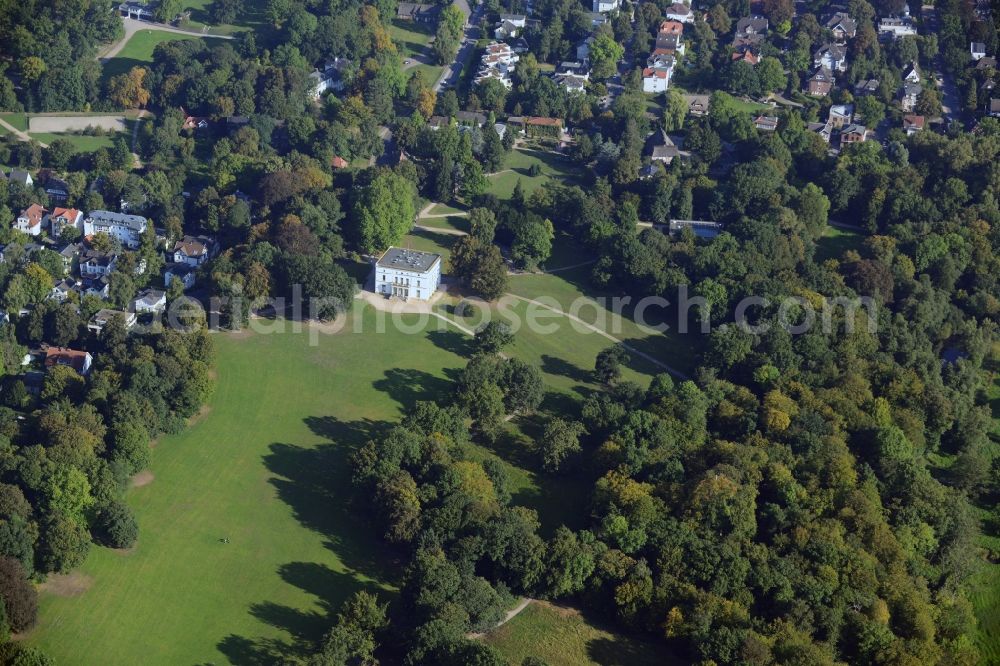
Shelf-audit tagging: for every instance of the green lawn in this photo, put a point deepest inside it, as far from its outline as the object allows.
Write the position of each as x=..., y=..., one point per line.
x=453, y=222
x=81, y=143
x=429, y=241
x=431, y=73
x=16, y=120
x=563, y=637
x=201, y=18
x=836, y=241
x=267, y=468
x=520, y=161
x=411, y=37
x=138, y=51
x=440, y=209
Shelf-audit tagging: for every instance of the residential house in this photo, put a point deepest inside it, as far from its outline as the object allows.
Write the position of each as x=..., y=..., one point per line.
x=183, y=272
x=993, y=108
x=78, y=360
x=193, y=250
x=669, y=45
x=94, y=263
x=766, y=123
x=338, y=162
x=841, y=115
x=471, y=118
x=821, y=83
x=897, y=27
x=573, y=83
x=987, y=62
x=126, y=228
x=978, y=50
x=747, y=54
x=319, y=83
x=21, y=177
x=56, y=188
x=69, y=255
x=411, y=11
x=832, y=57
x=679, y=12
x=662, y=148
x=853, y=134
x=99, y=287
x=583, y=48
x=671, y=28
x=657, y=79
x=193, y=122
x=603, y=6
x=912, y=74
x=61, y=218
x=866, y=87
x=61, y=291
x=30, y=220
x=912, y=124
x=908, y=96
x=842, y=26
x=150, y=300
x=407, y=273
x=823, y=130
x=104, y=316
x=697, y=104
x=751, y=25
x=437, y=122
x=497, y=63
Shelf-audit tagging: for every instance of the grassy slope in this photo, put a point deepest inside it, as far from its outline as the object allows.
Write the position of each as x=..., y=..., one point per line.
x=563, y=637
x=516, y=168
x=138, y=51
x=81, y=143
x=255, y=470
x=411, y=37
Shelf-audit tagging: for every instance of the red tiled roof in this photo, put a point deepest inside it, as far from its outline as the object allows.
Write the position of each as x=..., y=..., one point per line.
x=34, y=213
x=65, y=356
x=68, y=213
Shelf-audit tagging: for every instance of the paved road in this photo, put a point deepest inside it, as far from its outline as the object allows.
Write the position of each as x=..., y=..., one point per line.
x=133, y=26
x=951, y=103
x=453, y=71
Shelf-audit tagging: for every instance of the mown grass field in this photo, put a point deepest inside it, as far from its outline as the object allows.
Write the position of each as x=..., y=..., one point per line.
x=16, y=120
x=266, y=467
x=411, y=37
x=81, y=143
x=563, y=637
x=201, y=17
x=138, y=51
x=517, y=165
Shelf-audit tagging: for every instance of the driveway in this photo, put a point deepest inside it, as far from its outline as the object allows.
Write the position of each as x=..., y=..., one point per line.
x=58, y=124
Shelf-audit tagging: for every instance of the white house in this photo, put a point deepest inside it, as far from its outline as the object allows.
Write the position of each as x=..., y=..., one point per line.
x=606, y=5
x=679, y=12
x=912, y=74
x=193, y=250
x=61, y=291
x=21, y=177
x=30, y=220
x=182, y=272
x=60, y=218
x=408, y=273
x=94, y=263
x=656, y=76
x=841, y=115
x=897, y=27
x=126, y=228
x=103, y=316
x=831, y=56
x=978, y=50
x=150, y=300
x=137, y=10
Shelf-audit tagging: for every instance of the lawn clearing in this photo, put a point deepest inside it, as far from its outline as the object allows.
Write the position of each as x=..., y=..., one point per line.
x=201, y=19
x=429, y=241
x=561, y=636
x=138, y=51
x=516, y=167
x=452, y=222
x=411, y=37
x=441, y=209
x=266, y=467
x=837, y=240
x=81, y=143
x=18, y=121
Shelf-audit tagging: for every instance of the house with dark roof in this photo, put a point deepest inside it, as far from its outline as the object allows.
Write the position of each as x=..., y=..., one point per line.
x=411, y=11
x=751, y=25
x=821, y=83
x=853, y=134
x=832, y=57
x=842, y=26
x=977, y=50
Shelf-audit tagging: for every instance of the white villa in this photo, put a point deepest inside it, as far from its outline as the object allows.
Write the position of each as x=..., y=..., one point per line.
x=408, y=273
x=126, y=228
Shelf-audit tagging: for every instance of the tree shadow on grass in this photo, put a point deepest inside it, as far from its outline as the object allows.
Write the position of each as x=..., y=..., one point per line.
x=256, y=651
x=407, y=386
x=554, y=365
x=453, y=341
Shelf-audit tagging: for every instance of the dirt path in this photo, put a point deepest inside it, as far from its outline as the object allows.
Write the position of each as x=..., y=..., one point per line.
x=18, y=133
x=511, y=614
x=133, y=26
x=605, y=334
x=440, y=230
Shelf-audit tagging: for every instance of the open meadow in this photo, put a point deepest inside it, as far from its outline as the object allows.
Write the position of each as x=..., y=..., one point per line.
x=266, y=467
x=138, y=51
